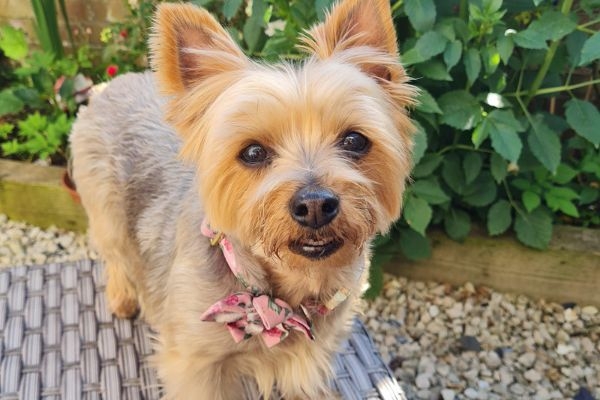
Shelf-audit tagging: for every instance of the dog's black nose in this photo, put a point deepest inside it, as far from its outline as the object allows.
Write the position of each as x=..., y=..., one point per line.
x=314, y=206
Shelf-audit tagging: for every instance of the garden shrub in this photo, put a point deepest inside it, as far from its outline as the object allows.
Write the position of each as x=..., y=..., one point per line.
x=508, y=123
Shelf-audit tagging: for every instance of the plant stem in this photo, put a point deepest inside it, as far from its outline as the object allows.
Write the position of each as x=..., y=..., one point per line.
x=589, y=23
x=462, y=147
x=510, y=198
x=463, y=10
x=555, y=89
x=396, y=6
x=541, y=75
x=586, y=30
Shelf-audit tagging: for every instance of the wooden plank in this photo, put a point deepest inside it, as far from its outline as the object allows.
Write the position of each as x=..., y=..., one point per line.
x=569, y=271
x=35, y=194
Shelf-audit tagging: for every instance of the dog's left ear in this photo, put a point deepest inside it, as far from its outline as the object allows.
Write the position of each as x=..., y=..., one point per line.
x=358, y=23
x=189, y=45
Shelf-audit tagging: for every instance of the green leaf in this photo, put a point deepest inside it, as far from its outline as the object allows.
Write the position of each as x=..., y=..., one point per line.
x=13, y=42
x=230, y=8
x=435, y=70
x=590, y=50
x=10, y=148
x=499, y=217
x=560, y=198
x=491, y=59
x=426, y=103
x=33, y=125
x=253, y=28
x=376, y=274
x=429, y=190
x=564, y=193
x=420, y=143
x=508, y=144
x=529, y=39
x=417, y=213
x=584, y=118
x=498, y=167
x=5, y=130
x=502, y=127
x=481, y=192
x=457, y=224
x=452, y=53
x=505, y=46
x=421, y=14
x=10, y=103
x=431, y=44
x=522, y=184
x=544, y=144
x=460, y=109
x=564, y=174
x=472, y=164
x=591, y=164
x=472, y=62
x=427, y=165
x=453, y=173
x=413, y=245
x=574, y=43
x=568, y=208
x=589, y=195
x=534, y=229
x=530, y=200
x=552, y=25
x=446, y=27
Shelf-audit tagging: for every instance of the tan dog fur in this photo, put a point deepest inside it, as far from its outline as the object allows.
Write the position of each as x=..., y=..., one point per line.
x=145, y=204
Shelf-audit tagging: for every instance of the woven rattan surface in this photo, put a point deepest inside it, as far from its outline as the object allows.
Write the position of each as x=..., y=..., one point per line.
x=59, y=341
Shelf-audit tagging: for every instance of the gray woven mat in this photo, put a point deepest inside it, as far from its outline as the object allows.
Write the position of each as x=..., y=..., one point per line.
x=59, y=341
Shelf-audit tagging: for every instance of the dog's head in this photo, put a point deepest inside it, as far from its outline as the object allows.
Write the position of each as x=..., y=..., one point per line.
x=302, y=163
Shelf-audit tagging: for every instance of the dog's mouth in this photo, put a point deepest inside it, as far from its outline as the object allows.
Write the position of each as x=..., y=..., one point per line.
x=316, y=249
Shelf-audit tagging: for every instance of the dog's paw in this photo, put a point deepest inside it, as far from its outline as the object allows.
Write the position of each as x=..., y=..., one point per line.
x=123, y=306
x=122, y=300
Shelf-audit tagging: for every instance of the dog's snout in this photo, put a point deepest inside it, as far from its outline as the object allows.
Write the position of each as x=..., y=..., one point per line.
x=314, y=206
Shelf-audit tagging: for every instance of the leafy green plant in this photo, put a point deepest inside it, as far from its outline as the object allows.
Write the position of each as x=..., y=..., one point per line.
x=507, y=120
x=51, y=88
x=37, y=136
x=125, y=42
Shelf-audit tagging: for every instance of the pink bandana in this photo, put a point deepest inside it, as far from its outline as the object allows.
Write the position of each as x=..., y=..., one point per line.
x=247, y=315
x=252, y=313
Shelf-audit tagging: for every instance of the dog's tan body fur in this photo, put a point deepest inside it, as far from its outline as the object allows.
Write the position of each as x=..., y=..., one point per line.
x=145, y=206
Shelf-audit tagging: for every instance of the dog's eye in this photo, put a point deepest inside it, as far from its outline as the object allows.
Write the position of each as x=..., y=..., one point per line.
x=355, y=143
x=254, y=155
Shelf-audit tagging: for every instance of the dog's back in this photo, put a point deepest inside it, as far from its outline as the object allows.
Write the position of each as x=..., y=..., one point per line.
x=127, y=173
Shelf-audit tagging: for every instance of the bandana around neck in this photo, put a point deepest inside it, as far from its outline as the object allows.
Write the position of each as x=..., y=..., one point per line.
x=254, y=313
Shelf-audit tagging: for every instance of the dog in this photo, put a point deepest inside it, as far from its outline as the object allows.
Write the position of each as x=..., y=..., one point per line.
x=234, y=202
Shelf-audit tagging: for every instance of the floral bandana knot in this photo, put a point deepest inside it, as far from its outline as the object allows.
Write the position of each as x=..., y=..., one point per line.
x=252, y=313
x=247, y=315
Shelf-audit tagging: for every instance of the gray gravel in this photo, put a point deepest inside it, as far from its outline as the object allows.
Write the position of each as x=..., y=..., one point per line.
x=442, y=342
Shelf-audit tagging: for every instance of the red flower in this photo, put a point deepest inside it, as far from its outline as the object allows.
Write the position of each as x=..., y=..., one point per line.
x=123, y=33
x=112, y=70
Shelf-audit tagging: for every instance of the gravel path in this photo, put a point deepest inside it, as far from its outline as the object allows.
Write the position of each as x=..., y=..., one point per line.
x=442, y=342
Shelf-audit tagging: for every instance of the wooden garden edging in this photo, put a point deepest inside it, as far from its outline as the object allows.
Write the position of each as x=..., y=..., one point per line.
x=569, y=271
x=35, y=194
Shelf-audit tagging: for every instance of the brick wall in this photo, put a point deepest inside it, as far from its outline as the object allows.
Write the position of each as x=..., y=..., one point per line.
x=87, y=17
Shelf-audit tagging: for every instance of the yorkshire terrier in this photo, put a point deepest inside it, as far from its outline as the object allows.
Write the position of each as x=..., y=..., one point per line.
x=234, y=202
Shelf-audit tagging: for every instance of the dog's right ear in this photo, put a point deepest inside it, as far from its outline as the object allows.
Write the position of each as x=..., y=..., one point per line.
x=188, y=45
